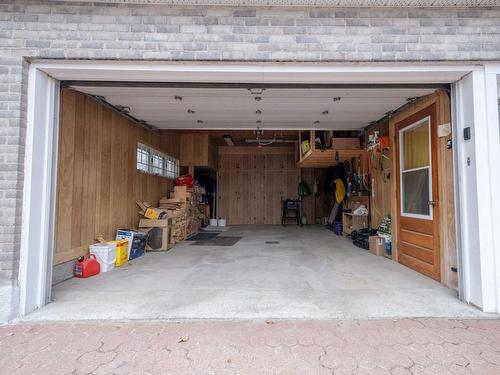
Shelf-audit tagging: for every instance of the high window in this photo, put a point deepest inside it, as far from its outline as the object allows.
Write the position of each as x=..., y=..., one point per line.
x=155, y=162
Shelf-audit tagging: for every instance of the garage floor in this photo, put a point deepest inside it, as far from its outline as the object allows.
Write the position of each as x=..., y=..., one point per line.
x=310, y=274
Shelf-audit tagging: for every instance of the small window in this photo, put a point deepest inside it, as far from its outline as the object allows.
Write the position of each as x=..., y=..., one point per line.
x=155, y=162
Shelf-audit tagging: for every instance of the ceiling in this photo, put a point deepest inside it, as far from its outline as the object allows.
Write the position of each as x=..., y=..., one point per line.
x=237, y=108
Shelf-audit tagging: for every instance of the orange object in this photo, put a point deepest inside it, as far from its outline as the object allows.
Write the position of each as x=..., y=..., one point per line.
x=384, y=141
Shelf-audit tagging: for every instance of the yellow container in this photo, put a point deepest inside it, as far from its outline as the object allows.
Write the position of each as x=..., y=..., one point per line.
x=121, y=252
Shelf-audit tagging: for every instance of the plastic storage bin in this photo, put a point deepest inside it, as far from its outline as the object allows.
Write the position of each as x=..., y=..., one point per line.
x=121, y=252
x=105, y=254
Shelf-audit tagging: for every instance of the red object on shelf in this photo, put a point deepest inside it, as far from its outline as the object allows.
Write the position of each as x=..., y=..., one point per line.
x=186, y=180
x=86, y=266
x=384, y=141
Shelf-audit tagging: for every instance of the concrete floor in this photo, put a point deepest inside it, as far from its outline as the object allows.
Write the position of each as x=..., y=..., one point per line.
x=310, y=274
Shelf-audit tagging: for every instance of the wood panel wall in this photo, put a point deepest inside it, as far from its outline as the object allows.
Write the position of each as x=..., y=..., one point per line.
x=251, y=183
x=445, y=182
x=197, y=150
x=97, y=180
x=381, y=180
x=315, y=207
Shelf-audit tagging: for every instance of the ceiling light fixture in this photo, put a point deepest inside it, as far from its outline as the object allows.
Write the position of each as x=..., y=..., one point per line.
x=123, y=108
x=190, y=111
x=177, y=97
x=256, y=91
x=229, y=140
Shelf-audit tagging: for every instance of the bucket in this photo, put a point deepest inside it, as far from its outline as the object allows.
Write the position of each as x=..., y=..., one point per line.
x=221, y=222
x=105, y=254
x=213, y=222
x=121, y=252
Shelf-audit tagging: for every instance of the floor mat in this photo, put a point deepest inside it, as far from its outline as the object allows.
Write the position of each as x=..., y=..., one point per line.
x=213, y=228
x=218, y=241
x=203, y=236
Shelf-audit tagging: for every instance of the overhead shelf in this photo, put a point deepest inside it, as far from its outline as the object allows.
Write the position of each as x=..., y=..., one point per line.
x=326, y=158
x=323, y=158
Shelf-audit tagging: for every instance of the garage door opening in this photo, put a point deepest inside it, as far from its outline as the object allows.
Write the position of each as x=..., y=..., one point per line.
x=352, y=162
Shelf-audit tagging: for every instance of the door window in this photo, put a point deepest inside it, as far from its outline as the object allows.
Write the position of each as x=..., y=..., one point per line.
x=415, y=165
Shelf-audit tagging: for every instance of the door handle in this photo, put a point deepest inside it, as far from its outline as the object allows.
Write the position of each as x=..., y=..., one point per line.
x=433, y=203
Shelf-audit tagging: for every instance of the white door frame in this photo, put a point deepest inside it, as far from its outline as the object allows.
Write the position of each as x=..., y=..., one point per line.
x=477, y=179
x=40, y=156
x=35, y=271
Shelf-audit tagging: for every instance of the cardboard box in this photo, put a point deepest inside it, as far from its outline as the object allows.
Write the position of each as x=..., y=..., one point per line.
x=377, y=245
x=159, y=234
x=346, y=144
x=149, y=223
x=136, y=241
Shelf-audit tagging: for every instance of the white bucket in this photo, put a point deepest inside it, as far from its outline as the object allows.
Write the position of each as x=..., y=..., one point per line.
x=105, y=254
x=221, y=222
x=213, y=222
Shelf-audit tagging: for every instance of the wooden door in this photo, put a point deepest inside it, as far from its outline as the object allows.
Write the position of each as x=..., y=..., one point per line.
x=417, y=194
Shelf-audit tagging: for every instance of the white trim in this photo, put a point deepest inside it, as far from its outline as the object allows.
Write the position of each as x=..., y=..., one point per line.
x=313, y=3
x=478, y=160
x=36, y=236
x=427, y=119
x=327, y=73
x=414, y=169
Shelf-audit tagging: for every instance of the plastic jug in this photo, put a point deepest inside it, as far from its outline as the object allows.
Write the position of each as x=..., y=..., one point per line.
x=86, y=266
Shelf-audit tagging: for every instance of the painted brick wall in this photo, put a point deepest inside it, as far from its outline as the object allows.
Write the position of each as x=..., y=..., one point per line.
x=31, y=29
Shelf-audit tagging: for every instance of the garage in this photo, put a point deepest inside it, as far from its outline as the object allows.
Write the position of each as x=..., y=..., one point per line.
x=250, y=146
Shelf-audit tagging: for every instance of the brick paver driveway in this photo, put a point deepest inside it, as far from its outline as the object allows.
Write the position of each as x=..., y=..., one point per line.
x=280, y=347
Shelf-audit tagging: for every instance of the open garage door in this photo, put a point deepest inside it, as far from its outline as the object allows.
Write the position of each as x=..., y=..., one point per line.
x=175, y=112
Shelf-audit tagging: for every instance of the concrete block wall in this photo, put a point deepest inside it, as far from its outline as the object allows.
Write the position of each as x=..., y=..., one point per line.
x=43, y=29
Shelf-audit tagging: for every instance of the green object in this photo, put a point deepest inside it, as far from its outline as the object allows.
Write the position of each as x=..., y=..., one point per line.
x=303, y=190
x=385, y=225
x=305, y=147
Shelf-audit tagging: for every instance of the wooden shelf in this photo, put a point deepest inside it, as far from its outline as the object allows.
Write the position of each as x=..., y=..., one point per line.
x=322, y=158
x=325, y=158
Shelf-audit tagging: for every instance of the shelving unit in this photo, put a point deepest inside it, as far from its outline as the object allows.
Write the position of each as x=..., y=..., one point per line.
x=322, y=158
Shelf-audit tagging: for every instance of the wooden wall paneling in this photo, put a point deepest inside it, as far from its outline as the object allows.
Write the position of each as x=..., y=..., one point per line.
x=308, y=204
x=98, y=163
x=197, y=150
x=65, y=176
x=131, y=175
x=97, y=179
x=381, y=192
x=447, y=197
x=212, y=153
x=261, y=177
x=79, y=144
x=90, y=166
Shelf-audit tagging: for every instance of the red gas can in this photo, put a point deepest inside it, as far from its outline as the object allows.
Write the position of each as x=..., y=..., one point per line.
x=86, y=266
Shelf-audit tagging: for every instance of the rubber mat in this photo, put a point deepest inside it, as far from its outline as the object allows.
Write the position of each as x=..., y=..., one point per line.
x=203, y=236
x=218, y=241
